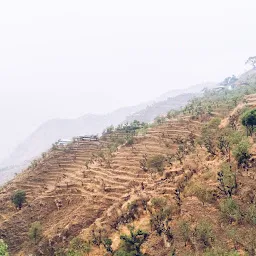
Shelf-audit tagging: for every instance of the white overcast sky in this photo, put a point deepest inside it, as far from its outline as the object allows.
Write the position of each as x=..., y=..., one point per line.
x=67, y=58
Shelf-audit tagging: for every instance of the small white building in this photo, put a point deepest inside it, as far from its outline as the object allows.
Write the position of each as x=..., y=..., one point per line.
x=63, y=142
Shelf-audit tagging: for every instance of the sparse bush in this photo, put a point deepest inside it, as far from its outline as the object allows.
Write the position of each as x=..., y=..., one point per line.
x=79, y=247
x=130, y=141
x=112, y=147
x=131, y=244
x=227, y=181
x=241, y=152
x=121, y=252
x=19, y=198
x=172, y=114
x=204, y=234
x=181, y=152
x=33, y=164
x=220, y=252
x=87, y=164
x=235, y=137
x=251, y=214
x=120, y=141
x=209, y=135
x=110, y=129
x=54, y=146
x=3, y=248
x=160, y=215
x=159, y=119
x=44, y=154
x=72, y=253
x=177, y=197
x=230, y=211
x=185, y=231
x=223, y=143
x=35, y=231
x=107, y=243
x=234, y=235
x=249, y=239
x=204, y=194
x=158, y=202
x=132, y=211
x=97, y=236
x=101, y=155
x=156, y=163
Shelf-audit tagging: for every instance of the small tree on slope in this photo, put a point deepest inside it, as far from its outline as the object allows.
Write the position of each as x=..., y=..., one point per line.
x=249, y=121
x=19, y=198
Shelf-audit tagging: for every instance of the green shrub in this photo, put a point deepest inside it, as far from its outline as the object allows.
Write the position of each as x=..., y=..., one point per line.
x=204, y=233
x=172, y=114
x=230, y=211
x=235, y=137
x=209, y=135
x=19, y=198
x=35, y=231
x=78, y=246
x=250, y=215
x=156, y=163
x=119, y=141
x=185, y=231
x=130, y=141
x=33, y=164
x=204, y=194
x=107, y=243
x=158, y=202
x=227, y=180
x=241, y=152
x=3, y=248
x=131, y=244
x=220, y=252
x=159, y=120
x=73, y=253
x=235, y=236
x=160, y=215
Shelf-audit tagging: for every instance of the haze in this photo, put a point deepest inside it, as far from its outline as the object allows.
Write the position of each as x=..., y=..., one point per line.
x=63, y=59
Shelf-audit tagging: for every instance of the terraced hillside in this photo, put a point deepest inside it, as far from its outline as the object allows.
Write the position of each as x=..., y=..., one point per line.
x=92, y=190
x=58, y=176
x=85, y=184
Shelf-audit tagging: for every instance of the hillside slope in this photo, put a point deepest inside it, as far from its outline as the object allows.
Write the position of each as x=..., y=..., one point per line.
x=164, y=181
x=87, y=195
x=187, y=181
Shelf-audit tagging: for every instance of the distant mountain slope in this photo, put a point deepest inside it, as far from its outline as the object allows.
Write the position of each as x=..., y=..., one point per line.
x=162, y=107
x=7, y=173
x=192, y=89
